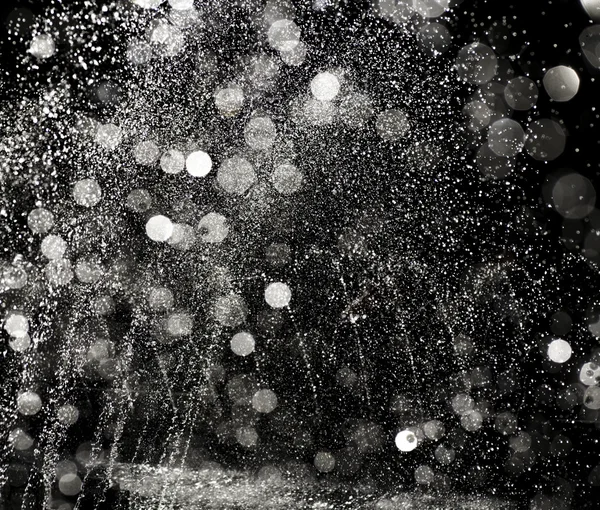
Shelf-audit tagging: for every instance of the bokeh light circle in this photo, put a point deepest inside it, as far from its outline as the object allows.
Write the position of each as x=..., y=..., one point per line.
x=29, y=403
x=559, y=350
x=264, y=401
x=198, y=164
x=242, y=343
x=325, y=86
x=159, y=228
x=236, y=175
x=561, y=83
x=87, y=192
x=278, y=295
x=406, y=441
x=476, y=63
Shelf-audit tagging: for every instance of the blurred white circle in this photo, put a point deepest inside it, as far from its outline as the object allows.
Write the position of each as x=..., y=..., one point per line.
x=444, y=455
x=590, y=374
x=592, y=7
x=246, y=436
x=462, y=403
x=471, y=421
x=148, y=4
x=70, y=484
x=20, y=439
x=264, y=401
x=278, y=295
x=521, y=93
x=561, y=83
x=506, y=138
x=431, y=8
x=284, y=35
x=476, y=63
x=260, y=133
x=181, y=5
x=16, y=324
x=159, y=228
x=146, y=152
x=406, y=441
x=160, y=298
x=13, y=277
x=109, y=136
x=40, y=220
x=42, y=46
x=20, y=343
x=213, y=228
x=434, y=429
x=589, y=40
x=139, y=200
x=198, y=164
x=286, y=179
x=424, y=475
x=479, y=115
x=242, y=343
x=29, y=403
x=591, y=397
x=325, y=86
x=172, y=161
x=236, y=175
x=179, y=324
x=67, y=414
x=392, y=125
x=229, y=100
x=59, y=272
x=574, y=196
x=435, y=37
x=546, y=140
x=559, y=350
x=230, y=310
x=87, y=192
x=324, y=462
x=53, y=247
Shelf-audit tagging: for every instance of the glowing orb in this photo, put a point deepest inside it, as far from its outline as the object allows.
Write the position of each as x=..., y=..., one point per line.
x=324, y=462
x=198, y=164
x=70, y=484
x=29, y=403
x=559, y=351
x=278, y=295
x=42, y=47
x=87, y=192
x=172, y=161
x=53, y=247
x=264, y=401
x=406, y=441
x=561, y=83
x=159, y=228
x=242, y=343
x=284, y=35
x=67, y=414
x=40, y=220
x=325, y=86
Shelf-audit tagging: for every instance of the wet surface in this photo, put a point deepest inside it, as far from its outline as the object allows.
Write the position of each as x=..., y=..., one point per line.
x=215, y=489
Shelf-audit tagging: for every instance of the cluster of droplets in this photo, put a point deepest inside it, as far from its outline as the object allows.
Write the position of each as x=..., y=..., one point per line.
x=329, y=98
